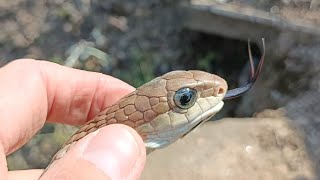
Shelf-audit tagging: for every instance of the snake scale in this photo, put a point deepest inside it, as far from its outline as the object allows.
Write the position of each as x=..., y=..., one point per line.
x=168, y=107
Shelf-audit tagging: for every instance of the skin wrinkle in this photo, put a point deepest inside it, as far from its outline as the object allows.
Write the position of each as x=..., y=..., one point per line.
x=15, y=146
x=71, y=106
x=56, y=102
x=44, y=77
x=36, y=114
x=53, y=101
x=92, y=105
x=3, y=162
x=43, y=68
x=5, y=144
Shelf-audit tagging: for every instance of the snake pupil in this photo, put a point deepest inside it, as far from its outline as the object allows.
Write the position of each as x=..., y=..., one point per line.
x=185, y=98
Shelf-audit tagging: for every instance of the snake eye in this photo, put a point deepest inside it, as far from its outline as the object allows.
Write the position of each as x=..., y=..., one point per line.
x=185, y=98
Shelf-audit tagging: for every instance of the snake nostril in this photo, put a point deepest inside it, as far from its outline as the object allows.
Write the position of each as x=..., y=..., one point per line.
x=220, y=91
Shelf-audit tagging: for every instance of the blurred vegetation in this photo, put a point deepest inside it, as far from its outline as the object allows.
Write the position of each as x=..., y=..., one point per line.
x=141, y=68
x=205, y=62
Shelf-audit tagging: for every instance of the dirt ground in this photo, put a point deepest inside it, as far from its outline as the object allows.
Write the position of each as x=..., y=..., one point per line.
x=264, y=147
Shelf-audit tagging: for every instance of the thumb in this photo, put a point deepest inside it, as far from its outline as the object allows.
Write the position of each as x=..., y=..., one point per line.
x=112, y=152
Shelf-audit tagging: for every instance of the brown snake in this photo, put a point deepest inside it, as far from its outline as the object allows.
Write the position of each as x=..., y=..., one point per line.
x=168, y=107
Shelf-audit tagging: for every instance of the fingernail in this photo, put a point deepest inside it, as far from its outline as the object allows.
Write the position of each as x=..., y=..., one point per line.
x=114, y=150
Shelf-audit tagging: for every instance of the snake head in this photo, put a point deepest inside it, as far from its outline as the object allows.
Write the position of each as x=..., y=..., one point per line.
x=177, y=102
x=184, y=99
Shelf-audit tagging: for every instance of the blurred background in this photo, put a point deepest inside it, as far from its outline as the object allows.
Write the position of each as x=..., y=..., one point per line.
x=138, y=40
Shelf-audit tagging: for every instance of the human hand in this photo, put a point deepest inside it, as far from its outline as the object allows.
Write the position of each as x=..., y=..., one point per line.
x=33, y=92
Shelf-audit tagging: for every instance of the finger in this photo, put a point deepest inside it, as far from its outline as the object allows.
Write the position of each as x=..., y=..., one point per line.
x=75, y=96
x=115, y=152
x=33, y=91
x=25, y=174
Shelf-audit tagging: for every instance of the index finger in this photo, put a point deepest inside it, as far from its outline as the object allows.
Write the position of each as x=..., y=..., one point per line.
x=35, y=91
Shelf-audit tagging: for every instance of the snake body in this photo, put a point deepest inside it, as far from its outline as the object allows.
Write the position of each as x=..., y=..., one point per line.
x=152, y=111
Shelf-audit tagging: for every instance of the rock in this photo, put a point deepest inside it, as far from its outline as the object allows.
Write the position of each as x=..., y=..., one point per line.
x=261, y=148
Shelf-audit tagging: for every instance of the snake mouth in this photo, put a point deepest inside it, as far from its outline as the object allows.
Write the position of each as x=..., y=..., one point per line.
x=164, y=138
x=204, y=117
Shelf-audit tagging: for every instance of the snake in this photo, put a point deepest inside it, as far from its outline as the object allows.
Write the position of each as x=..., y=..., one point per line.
x=168, y=107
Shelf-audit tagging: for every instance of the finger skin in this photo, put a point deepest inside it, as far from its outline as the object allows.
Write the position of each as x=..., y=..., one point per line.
x=25, y=174
x=88, y=171
x=35, y=91
x=112, y=152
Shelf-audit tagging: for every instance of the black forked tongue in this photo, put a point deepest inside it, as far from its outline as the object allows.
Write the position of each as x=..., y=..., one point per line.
x=233, y=93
